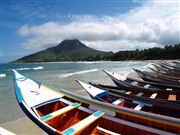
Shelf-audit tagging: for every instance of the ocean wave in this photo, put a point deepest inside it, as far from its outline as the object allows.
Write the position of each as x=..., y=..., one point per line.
x=38, y=68
x=35, y=68
x=81, y=62
x=146, y=67
x=2, y=75
x=89, y=62
x=75, y=73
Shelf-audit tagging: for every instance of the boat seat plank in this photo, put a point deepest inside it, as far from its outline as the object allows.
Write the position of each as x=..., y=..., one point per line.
x=59, y=112
x=78, y=127
x=107, y=131
x=153, y=95
x=146, y=86
x=172, y=97
x=134, y=83
x=170, y=89
x=128, y=92
x=140, y=94
x=140, y=105
x=118, y=101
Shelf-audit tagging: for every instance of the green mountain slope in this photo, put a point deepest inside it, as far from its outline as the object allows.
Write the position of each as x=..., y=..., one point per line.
x=67, y=50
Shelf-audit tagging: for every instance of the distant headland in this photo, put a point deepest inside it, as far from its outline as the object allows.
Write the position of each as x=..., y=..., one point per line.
x=74, y=50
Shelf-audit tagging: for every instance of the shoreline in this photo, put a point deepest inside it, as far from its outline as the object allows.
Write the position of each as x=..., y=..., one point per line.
x=93, y=61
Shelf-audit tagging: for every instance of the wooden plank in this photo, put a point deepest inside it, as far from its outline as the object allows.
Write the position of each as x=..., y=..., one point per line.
x=140, y=94
x=118, y=101
x=59, y=112
x=128, y=92
x=140, y=106
x=107, y=131
x=146, y=86
x=170, y=89
x=172, y=97
x=153, y=95
x=78, y=127
x=134, y=83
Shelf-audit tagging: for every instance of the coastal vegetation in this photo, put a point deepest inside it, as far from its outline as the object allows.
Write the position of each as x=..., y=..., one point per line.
x=74, y=50
x=156, y=53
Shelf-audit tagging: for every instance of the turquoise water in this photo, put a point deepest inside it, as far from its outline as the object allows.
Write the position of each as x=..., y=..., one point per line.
x=60, y=75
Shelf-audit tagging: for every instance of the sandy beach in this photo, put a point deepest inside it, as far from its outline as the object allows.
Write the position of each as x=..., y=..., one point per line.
x=23, y=126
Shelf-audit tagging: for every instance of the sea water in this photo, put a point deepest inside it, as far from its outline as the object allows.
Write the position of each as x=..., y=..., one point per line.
x=61, y=75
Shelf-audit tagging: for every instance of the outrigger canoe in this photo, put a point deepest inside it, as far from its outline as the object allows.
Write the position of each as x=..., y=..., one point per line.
x=168, y=72
x=177, y=63
x=154, y=78
x=173, y=66
x=62, y=112
x=131, y=103
x=154, y=84
x=163, y=74
x=160, y=99
x=163, y=98
x=124, y=82
x=170, y=68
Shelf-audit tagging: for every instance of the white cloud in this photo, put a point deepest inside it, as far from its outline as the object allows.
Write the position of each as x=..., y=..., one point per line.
x=24, y=30
x=153, y=24
x=116, y=45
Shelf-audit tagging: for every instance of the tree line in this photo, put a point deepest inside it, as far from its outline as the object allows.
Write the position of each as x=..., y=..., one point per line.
x=156, y=53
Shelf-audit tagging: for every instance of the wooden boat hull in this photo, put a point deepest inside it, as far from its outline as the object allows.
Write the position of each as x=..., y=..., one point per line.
x=122, y=94
x=36, y=120
x=177, y=63
x=137, y=85
x=149, y=77
x=159, y=102
x=172, y=66
x=97, y=93
x=162, y=74
x=37, y=100
x=169, y=68
x=156, y=84
x=168, y=72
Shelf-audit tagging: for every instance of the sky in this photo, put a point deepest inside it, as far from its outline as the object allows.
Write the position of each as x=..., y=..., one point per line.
x=28, y=26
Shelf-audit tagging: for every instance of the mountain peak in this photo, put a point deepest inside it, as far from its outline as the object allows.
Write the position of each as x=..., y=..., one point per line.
x=69, y=44
x=67, y=50
x=70, y=40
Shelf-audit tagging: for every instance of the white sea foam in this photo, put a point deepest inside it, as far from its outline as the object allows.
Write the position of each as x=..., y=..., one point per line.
x=23, y=68
x=2, y=75
x=145, y=68
x=81, y=62
x=89, y=62
x=35, y=68
x=79, y=72
x=38, y=68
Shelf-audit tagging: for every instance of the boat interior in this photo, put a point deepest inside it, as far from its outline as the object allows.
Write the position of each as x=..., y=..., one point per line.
x=168, y=94
x=149, y=94
x=64, y=116
x=139, y=106
x=67, y=116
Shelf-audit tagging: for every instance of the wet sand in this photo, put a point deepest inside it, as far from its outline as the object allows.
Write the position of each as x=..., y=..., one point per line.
x=23, y=126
